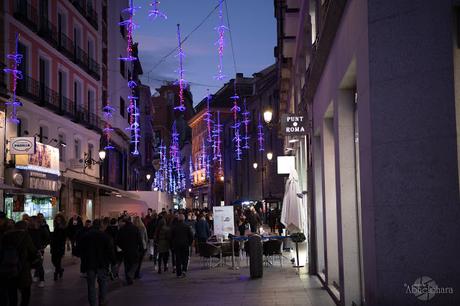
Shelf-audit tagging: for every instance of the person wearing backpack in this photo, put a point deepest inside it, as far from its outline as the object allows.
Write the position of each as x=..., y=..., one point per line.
x=16, y=257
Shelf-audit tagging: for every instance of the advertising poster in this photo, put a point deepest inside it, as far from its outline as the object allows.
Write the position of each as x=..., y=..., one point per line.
x=45, y=159
x=223, y=220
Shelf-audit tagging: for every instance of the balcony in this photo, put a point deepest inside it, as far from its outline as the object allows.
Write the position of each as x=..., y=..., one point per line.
x=42, y=95
x=27, y=14
x=87, y=11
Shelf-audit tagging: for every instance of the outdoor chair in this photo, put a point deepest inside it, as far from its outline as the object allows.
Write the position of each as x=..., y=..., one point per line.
x=207, y=252
x=272, y=248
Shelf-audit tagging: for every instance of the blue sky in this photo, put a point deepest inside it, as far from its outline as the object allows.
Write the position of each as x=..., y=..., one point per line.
x=253, y=31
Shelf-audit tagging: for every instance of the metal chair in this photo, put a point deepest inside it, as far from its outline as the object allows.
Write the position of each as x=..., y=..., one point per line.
x=272, y=248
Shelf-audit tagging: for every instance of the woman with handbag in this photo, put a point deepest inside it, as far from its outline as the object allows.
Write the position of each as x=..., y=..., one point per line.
x=58, y=239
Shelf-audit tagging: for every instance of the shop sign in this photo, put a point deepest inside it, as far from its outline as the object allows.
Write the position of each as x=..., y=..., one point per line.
x=45, y=160
x=22, y=145
x=293, y=124
x=43, y=184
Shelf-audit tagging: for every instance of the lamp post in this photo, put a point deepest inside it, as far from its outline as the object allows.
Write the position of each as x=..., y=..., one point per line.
x=89, y=161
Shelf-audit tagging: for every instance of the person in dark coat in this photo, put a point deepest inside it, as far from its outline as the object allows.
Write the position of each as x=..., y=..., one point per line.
x=57, y=245
x=73, y=227
x=182, y=238
x=254, y=220
x=19, y=239
x=162, y=241
x=151, y=227
x=97, y=254
x=130, y=242
x=40, y=238
x=202, y=230
x=112, y=231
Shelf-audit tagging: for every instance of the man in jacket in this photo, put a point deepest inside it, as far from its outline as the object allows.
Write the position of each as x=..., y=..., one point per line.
x=130, y=242
x=17, y=277
x=96, y=256
x=182, y=238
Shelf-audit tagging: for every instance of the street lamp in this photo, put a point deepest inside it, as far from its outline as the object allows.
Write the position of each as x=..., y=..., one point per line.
x=268, y=116
x=222, y=178
x=102, y=155
x=269, y=155
x=254, y=165
x=148, y=176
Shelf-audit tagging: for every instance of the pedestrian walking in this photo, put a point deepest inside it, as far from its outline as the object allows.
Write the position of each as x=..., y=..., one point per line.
x=73, y=227
x=162, y=238
x=144, y=238
x=151, y=227
x=202, y=231
x=96, y=253
x=40, y=238
x=130, y=242
x=57, y=245
x=17, y=254
x=182, y=238
x=112, y=231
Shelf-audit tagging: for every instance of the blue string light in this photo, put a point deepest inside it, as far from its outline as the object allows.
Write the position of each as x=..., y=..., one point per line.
x=16, y=59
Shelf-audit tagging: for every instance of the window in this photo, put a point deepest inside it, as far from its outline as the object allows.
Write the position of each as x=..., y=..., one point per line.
x=43, y=134
x=91, y=103
x=122, y=68
x=122, y=28
x=90, y=154
x=44, y=72
x=122, y=107
x=77, y=148
x=77, y=93
x=61, y=145
x=91, y=49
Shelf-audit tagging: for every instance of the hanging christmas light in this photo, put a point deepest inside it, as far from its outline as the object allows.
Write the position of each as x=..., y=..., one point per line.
x=218, y=128
x=180, y=81
x=236, y=125
x=190, y=170
x=246, y=122
x=16, y=59
x=260, y=134
x=220, y=42
x=208, y=118
x=133, y=109
x=155, y=11
x=108, y=114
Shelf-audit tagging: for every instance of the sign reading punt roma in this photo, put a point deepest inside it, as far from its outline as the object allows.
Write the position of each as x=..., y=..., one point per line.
x=292, y=124
x=22, y=145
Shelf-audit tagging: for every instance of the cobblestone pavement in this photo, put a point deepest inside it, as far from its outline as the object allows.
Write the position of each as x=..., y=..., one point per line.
x=216, y=286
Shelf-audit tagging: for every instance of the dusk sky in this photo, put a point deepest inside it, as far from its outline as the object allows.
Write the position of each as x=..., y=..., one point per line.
x=253, y=28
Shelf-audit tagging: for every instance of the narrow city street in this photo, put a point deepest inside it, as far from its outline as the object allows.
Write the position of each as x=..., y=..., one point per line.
x=216, y=286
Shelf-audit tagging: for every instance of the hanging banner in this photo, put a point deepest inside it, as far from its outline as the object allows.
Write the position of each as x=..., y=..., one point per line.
x=45, y=159
x=293, y=124
x=223, y=220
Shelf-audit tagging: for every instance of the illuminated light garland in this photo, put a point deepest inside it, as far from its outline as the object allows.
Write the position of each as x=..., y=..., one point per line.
x=155, y=11
x=133, y=109
x=236, y=125
x=220, y=42
x=208, y=118
x=108, y=114
x=246, y=122
x=180, y=72
x=261, y=135
x=16, y=59
x=190, y=170
x=218, y=128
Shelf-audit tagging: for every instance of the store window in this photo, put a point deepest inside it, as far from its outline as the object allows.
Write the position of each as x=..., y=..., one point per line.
x=18, y=205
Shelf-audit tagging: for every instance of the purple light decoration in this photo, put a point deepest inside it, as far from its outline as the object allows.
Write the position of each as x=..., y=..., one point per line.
x=108, y=114
x=208, y=118
x=246, y=122
x=180, y=72
x=133, y=110
x=220, y=42
x=260, y=135
x=155, y=11
x=16, y=59
x=218, y=128
x=236, y=125
x=191, y=171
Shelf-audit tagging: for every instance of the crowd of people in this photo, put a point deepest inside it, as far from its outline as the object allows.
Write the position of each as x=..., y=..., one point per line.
x=103, y=245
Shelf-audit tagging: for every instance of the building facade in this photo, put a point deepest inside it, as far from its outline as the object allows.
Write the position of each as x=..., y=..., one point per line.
x=381, y=157
x=61, y=88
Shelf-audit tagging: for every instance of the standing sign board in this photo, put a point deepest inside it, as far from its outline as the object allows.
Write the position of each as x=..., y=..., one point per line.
x=22, y=145
x=223, y=220
x=293, y=125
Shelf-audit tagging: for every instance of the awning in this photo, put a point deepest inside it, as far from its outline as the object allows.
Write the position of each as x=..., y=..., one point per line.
x=114, y=191
x=6, y=187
